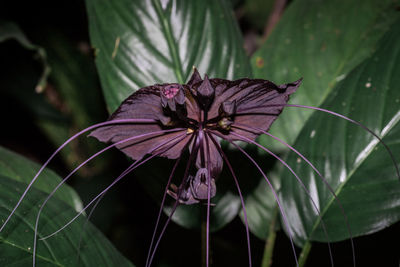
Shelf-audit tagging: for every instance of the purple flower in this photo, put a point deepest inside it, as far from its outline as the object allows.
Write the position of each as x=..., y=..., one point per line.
x=206, y=110
x=168, y=119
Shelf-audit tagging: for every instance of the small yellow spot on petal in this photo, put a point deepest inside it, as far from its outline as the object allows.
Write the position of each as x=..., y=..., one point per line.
x=189, y=131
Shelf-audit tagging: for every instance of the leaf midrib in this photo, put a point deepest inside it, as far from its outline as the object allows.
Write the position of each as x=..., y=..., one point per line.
x=171, y=44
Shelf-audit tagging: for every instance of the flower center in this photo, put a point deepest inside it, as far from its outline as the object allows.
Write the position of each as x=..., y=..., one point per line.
x=170, y=91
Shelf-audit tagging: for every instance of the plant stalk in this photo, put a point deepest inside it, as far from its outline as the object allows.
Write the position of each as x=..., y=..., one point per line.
x=270, y=242
x=304, y=253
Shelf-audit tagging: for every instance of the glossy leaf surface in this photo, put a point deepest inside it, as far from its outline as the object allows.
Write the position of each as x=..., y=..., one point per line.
x=76, y=97
x=320, y=41
x=23, y=170
x=140, y=43
x=16, y=240
x=261, y=207
x=308, y=43
x=354, y=163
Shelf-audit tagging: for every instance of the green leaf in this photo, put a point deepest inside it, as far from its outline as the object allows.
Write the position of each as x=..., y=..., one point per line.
x=80, y=94
x=261, y=207
x=320, y=41
x=9, y=31
x=16, y=240
x=140, y=43
x=226, y=208
x=23, y=170
x=354, y=163
x=77, y=96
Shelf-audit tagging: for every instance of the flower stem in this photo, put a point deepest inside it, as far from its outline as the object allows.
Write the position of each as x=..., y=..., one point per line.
x=270, y=242
x=304, y=253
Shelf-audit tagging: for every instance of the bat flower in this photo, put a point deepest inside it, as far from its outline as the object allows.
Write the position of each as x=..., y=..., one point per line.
x=166, y=120
x=194, y=116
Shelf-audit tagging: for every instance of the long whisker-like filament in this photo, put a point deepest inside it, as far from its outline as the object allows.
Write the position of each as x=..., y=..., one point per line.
x=162, y=206
x=163, y=200
x=122, y=121
x=207, y=160
x=84, y=226
x=243, y=138
x=397, y=117
x=126, y=172
x=359, y=124
x=323, y=180
x=176, y=204
x=133, y=166
x=240, y=195
x=273, y=192
x=195, y=149
x=82, y=164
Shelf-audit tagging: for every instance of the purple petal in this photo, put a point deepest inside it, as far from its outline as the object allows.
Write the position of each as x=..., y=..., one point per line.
x=196, y=78
x=257, y=102
x=143, y=104
x=215, y=159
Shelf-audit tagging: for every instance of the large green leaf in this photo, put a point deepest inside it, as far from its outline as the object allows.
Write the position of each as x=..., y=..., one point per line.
x=78, y=97
x=261, y=207
x=16, y=240
x=354, y=163
x=80, y=93
x=320, y=41
x=139, y=43
x=23, y=170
